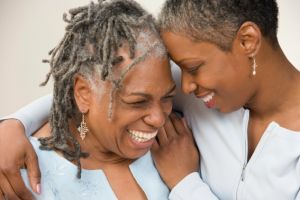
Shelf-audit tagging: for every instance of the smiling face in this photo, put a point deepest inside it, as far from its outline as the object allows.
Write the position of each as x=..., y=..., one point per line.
x=222, y=79
x=140, y=108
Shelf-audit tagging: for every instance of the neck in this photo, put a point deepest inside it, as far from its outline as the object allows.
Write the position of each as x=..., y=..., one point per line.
x=277, y=85
x=99, y=156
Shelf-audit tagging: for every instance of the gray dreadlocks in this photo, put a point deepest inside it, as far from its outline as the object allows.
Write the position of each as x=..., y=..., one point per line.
x=93, y=35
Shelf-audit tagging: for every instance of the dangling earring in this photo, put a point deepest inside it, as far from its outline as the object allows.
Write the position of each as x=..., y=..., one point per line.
x=254, y=66
x=83, y=129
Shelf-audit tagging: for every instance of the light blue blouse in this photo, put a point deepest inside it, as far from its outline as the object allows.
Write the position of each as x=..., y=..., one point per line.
x=59, y=181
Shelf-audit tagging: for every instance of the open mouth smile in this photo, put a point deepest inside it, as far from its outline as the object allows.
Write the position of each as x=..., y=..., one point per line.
x=140, y=136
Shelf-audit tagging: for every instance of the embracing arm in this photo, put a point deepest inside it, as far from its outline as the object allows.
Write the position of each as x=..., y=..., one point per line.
x=192, y=187
x=176, y=156
x=33, y=115
x=16, y=151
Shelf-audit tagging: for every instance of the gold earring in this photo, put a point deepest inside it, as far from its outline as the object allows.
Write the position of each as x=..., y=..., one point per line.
x=83, y=129
x=254, y=66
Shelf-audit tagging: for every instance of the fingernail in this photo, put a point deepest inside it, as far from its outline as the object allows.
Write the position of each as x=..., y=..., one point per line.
x=38, y=188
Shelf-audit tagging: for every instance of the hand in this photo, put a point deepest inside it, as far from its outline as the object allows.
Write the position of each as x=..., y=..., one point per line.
x=16, y=152
x=175, y=153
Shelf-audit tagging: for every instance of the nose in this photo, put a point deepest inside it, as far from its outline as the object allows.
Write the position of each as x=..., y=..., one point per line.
x=156, y=116
x=187, y=84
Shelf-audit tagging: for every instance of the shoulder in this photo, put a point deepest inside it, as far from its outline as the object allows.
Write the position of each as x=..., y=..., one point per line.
x=44, y=131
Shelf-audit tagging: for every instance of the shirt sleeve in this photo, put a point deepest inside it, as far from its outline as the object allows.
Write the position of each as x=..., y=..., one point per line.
x=192, y=188
x=298, y=170
x=33, y=115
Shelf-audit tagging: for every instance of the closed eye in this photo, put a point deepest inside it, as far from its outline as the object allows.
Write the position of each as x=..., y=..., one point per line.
x=169, y=96
x=136, y=102
x=171, y=93
x=193, y=70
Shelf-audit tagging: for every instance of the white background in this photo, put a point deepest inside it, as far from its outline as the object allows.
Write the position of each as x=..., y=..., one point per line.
x=29, y=29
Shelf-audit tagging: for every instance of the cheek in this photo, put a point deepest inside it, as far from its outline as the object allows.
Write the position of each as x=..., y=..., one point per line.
x=168, y=107
x=229, y=80
x=98, y=116
x=209, y=81
x=124, y=118
x=213, y=75
x=233, y=96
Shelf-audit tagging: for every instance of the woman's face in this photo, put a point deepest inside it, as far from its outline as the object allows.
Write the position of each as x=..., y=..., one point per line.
x=222, y=80
x=140, y=108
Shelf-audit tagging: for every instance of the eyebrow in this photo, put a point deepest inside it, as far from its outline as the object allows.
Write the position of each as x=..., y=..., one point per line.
x=172, y=89
x=147, y=95
x=179, y=61
x=186, y=60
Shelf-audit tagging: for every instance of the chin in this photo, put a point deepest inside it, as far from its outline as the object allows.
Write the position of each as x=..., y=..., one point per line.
x=226, y=110
x=135, y=154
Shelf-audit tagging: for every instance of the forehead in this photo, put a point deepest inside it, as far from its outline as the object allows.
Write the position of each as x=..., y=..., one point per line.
x=149, y=66
x=183, y=48
x=151, y=75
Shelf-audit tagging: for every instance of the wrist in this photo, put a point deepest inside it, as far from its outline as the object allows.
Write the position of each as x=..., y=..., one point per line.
x=176, y=180
x=191, y=185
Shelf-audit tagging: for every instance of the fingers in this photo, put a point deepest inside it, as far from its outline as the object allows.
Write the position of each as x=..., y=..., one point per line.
x=188, y=129
x=16, y=182
x=172, y=128
x=154, y=147
x=169, y=127
x=175, y=126
x=6, y=189
x=180, y=126
x=1, y=195
x=162, y=137
x=33, y=171
x=11, y=183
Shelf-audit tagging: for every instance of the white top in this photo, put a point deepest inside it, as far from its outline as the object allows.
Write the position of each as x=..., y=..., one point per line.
x=272, y=173
x=59, y=181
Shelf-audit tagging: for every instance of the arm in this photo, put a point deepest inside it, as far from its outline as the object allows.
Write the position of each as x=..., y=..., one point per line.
x=177, y=160
x=298, y=170
x=192, y=188
x=34, y=115
x=16, y=151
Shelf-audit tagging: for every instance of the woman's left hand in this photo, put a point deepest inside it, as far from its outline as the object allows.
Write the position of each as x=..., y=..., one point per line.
x=174, y=151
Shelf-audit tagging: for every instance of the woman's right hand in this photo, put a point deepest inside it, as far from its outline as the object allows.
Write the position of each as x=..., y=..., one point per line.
x=17, y=152
x=175, y=153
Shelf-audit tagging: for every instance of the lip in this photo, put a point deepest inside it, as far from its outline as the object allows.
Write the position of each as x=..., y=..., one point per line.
x=202, y=95
x=147, y=132
x=209, y=104
x=142, y=145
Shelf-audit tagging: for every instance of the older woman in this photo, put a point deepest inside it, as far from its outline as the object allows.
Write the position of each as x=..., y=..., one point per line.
x=106, y=108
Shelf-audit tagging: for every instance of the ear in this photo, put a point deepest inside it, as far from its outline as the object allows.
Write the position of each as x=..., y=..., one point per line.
x=82, y=93
x=249, y=38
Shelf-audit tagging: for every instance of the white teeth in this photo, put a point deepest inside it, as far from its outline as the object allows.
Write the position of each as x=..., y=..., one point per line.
x=208, y=97
x=141, y=136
